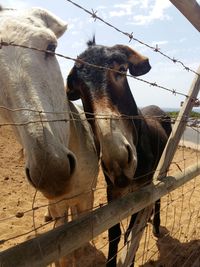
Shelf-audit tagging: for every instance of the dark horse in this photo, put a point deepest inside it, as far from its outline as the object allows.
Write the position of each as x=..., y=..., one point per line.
x=130, y=140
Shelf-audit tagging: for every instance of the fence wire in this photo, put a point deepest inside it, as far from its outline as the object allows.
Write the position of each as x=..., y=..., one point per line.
x=131, y=37
x=179, y=214
x=22, y=210
x=154, y=84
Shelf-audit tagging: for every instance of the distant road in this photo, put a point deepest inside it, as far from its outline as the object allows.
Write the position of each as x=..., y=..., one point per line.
x=191, y=137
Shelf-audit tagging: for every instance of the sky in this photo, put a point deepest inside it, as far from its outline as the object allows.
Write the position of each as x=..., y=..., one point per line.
x=154, y=22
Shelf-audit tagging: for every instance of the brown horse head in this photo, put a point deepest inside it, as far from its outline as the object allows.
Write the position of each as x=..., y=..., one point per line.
x=108, y=103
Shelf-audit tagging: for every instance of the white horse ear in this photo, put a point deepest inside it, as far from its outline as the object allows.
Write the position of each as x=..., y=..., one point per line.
x=57, y=25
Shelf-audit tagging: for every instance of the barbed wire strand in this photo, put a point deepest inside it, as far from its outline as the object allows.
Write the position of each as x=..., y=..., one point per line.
x=131, y=37
x=161, y=118
x=154, y=84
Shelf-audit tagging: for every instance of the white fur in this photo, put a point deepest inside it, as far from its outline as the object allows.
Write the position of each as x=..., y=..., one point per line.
x=32, y=84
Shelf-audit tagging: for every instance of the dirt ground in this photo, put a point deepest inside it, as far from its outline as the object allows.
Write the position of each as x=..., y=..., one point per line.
x=178, y=245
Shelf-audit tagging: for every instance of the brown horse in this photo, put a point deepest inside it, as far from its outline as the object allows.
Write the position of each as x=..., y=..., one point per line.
x=130, y=144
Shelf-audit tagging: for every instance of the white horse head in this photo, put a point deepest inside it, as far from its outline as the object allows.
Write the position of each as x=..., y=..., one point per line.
x=33, y=97
x=50, y=129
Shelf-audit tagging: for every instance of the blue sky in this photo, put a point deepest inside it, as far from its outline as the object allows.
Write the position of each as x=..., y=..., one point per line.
x=155, y=22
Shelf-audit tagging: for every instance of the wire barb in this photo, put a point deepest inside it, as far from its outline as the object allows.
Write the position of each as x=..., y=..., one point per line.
x=94, y=15
x=79, y=61
x=130, y=36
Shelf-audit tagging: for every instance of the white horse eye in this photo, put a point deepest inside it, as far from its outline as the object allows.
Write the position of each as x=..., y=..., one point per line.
x=51, y=48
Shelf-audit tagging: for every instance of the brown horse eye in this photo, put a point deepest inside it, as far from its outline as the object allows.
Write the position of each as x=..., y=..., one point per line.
x=122, y=69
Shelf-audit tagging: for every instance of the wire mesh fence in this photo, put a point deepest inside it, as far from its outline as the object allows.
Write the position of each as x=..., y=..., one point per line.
x=23, y=209
x=180, y=225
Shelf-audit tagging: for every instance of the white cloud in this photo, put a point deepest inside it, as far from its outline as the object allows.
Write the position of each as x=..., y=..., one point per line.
x=101, y=7
x=120, y=13
x=147, y=10
x=75, y=24
x=18, y=4
x=124, y=9
x=164, y=42
x=145, y=4
x=157, y=12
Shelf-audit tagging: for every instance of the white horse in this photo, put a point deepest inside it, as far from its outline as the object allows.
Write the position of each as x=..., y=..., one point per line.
x=60, y=155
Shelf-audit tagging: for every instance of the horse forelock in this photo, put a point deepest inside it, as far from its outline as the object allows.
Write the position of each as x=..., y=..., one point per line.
x=91, y=42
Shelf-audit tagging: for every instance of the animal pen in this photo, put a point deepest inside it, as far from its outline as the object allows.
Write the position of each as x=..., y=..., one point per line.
x=179, y=243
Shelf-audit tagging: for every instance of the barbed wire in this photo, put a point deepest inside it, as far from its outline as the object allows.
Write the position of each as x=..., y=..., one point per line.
x=21, y=214
x=154, y=84
x=162, y=118
x=186, y=120
x=192, y=121
x=131, y=37
x=99, y=116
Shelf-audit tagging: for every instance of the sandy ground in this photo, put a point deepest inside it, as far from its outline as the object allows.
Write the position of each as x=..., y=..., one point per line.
x=178, y=245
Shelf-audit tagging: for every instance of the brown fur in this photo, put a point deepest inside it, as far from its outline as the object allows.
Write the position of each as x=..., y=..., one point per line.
x=148, y=135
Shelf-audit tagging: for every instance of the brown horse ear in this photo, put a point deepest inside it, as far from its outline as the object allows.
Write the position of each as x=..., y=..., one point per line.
x=138, y=64
x=72, y=85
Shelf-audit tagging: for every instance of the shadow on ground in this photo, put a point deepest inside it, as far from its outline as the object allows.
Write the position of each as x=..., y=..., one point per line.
x=173, y=253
